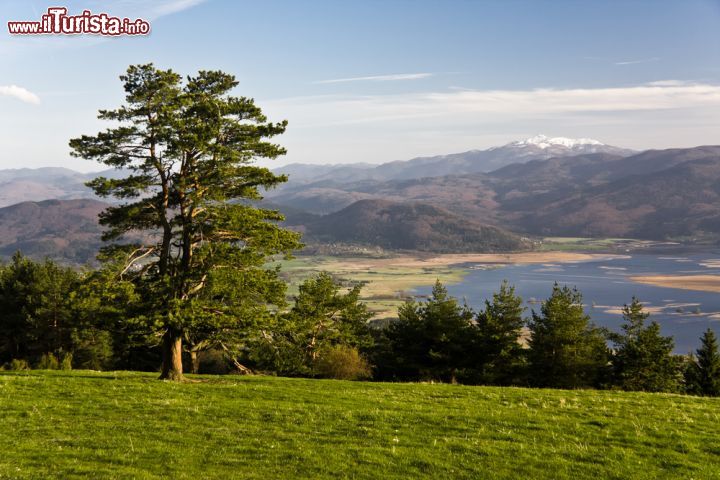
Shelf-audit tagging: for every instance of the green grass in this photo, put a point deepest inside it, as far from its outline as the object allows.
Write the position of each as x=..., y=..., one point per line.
x=582, y=244
x=129, y=425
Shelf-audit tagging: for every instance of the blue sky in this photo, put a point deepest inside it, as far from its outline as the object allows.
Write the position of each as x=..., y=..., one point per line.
x=375, y=81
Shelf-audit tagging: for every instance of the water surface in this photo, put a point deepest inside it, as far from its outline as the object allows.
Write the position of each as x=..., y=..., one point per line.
x=605, y=286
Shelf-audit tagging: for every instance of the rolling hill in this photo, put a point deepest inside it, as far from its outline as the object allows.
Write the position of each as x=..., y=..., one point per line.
x=656, y=194
x=75, y=424
x=50, y=183
x=680, y=201
x=409, y=226
x=66, y=230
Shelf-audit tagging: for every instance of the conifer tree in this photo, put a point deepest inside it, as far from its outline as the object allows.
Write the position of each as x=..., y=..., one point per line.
x=566, y=349
x=643, y=358
x=430, y=340
x=324, y=315
x=704, y=370
x=186, y=150
x=499, y=326
x=37, y=304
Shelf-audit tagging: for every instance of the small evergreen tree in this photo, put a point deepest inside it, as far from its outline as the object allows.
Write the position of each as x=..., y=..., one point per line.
x=499, y=325
x=109, y=331
x=430, y=341
x=37, y=301
x=566, y=349
x=324, y=315
x=703, y=374
x=643, y=358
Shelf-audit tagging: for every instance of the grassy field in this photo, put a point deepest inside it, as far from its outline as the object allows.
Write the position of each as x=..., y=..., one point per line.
x=387, y=286
x=129, y=425
x=580, y=244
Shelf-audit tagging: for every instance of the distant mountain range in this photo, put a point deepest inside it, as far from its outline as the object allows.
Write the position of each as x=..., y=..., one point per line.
x=657, y=194
x=539, y=147
x=26, y=184
x=547, y=187
x=34, y=185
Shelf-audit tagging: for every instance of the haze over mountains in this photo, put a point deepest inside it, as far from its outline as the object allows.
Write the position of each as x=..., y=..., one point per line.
x=482, y=200
x=657, y=194
x=49, y=183
x=538, y=147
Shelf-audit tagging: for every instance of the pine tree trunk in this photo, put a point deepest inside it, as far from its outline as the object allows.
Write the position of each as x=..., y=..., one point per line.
x=172, y=368
x=195, y=361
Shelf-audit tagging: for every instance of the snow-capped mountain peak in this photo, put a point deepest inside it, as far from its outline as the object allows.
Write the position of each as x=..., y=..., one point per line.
x=543, y=142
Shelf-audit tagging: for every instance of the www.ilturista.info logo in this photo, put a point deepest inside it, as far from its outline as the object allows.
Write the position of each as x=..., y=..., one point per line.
x=57, y=22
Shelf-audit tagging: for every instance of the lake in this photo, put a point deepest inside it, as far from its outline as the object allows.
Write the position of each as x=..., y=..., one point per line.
x=605, y=286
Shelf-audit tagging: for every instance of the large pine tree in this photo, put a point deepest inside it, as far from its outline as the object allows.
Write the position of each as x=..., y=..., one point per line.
x=187, y=151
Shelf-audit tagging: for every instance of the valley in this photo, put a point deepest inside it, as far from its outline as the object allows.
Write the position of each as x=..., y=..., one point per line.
x=532, y=212
x=392, y=279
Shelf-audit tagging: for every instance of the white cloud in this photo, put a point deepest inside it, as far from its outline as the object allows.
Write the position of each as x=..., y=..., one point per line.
x=20, y=93
x=635, y=62
x=374, y=128
x=669, y=83
x=378, y=78
x=338, y=109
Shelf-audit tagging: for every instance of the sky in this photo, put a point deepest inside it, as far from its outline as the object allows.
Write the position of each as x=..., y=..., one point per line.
x=377, y=81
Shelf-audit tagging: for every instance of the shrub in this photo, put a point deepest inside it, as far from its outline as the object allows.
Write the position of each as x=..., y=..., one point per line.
x=66, y=363
x=214, y=362
x=48, y=362
x=342, y=362
x=18, y=364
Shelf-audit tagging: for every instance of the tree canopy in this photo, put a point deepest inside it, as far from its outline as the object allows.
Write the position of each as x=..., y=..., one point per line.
x=703, y=376
x=185, y=151
x=566, y=349
x=643, y=358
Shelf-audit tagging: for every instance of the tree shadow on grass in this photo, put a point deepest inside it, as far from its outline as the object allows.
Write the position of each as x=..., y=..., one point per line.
x=68, y=374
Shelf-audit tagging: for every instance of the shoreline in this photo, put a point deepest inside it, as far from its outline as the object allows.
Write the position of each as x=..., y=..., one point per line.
x=700, y=283
x=391, y=280
x=461, y=259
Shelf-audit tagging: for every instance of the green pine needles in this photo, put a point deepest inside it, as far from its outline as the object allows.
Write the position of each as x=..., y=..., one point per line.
x=187, y=151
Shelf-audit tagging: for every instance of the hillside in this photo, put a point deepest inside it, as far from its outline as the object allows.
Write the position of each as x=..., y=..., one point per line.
x=66, y=230
x=682, y=201
x=409, y=226
x=657, y=194
x=129, y=425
